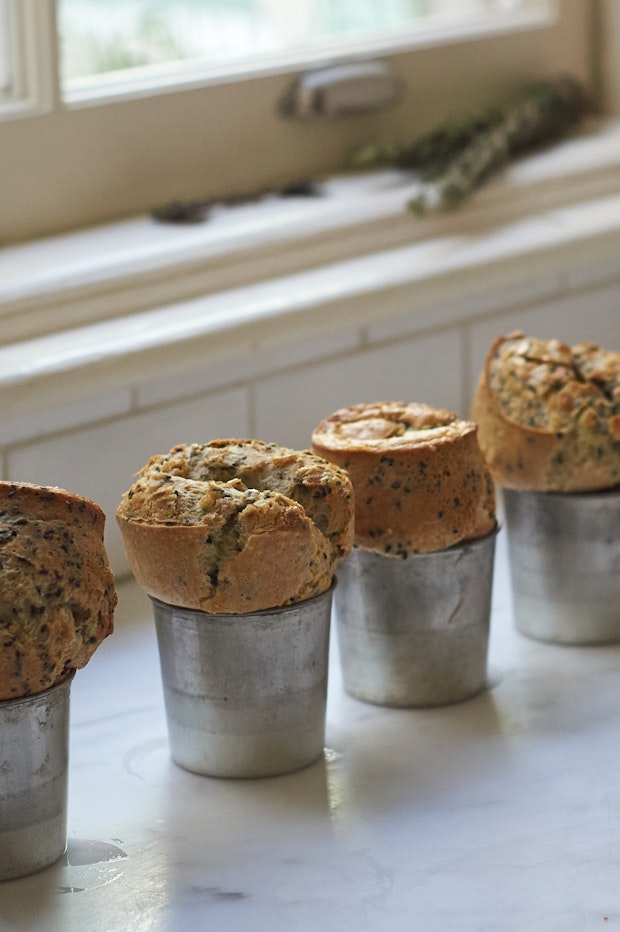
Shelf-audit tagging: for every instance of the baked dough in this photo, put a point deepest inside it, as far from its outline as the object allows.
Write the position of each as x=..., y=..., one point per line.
x=549, y=414
x=236, y=526
x=57, y=595
x=419, y=478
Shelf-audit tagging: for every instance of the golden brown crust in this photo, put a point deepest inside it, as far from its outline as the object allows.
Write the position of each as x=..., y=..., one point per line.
x=236, y=526
x=57, y=595
x=549, y=414
x=419, y=478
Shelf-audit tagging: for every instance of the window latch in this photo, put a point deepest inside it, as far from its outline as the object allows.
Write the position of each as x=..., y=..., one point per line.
x=341, y=90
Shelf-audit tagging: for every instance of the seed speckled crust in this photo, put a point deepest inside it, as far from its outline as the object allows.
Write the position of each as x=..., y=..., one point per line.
x=57, y=595
x=549, y=414
x=419, y=478
x=235, y=526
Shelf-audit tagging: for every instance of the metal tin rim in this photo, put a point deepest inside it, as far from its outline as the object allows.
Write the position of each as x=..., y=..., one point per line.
x=36, y=697
x=279, y=609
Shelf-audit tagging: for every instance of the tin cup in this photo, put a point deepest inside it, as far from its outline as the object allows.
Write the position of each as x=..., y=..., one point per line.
x=564, y=550
x=246, y=694
x=414, y=632
x=34, y=758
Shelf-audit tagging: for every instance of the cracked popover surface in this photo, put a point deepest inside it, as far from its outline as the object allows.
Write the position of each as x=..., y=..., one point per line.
x=236, y=525
x=549, y=414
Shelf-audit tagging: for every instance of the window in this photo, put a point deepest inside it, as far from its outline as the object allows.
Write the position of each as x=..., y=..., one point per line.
x=99, y=39
x=83, y=151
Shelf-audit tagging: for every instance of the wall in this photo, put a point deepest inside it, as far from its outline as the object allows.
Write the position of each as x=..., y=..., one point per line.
x=94, y=446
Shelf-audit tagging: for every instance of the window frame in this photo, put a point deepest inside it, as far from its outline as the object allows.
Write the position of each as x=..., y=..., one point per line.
x=84, y=161
x=35, y=82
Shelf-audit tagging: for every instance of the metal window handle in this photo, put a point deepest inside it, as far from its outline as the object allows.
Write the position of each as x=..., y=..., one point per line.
x=341, y=90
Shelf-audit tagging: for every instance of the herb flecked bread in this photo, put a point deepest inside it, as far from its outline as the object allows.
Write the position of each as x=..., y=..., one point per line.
x=419, y=479
x=549, y=414
x=236, y=526
x=57, y=595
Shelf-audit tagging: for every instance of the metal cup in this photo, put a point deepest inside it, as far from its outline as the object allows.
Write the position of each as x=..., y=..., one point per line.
x=414, y=632
x=34, y=757
x=246, y=694
x=564, y=551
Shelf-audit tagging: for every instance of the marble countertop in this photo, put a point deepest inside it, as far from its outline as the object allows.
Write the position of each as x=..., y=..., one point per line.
x=501, y=813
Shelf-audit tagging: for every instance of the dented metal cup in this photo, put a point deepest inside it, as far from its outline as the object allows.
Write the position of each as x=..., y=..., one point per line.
x=245, y=695
x=34, y=757
x=414, y=632
x=564, y=551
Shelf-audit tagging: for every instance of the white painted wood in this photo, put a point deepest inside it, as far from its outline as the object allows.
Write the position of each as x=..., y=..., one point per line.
x=122, y=268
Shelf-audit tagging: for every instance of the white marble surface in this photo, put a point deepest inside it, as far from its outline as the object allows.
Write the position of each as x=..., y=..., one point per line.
x=499, y=814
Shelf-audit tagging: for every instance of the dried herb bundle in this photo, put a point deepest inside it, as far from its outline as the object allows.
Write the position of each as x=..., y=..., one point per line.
x=458, y=157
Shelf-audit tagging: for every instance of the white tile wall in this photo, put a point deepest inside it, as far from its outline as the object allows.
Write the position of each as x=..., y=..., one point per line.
x=98, y=461
x=240, y=371
x=290, y=405
x=64, y=417
x=93, y=447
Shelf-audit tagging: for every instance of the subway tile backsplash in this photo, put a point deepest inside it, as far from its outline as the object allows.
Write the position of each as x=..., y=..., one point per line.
x=290, y=404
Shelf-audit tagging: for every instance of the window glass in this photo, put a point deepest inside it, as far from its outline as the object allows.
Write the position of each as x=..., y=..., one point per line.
x=99, y=37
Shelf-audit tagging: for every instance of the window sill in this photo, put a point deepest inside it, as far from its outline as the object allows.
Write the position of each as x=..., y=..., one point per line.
x=139, y=300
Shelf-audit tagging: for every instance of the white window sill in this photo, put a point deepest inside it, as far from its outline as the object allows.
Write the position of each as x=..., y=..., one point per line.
x=139, y=300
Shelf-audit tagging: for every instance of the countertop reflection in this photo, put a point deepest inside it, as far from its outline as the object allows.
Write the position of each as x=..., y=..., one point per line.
x=500, y=813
